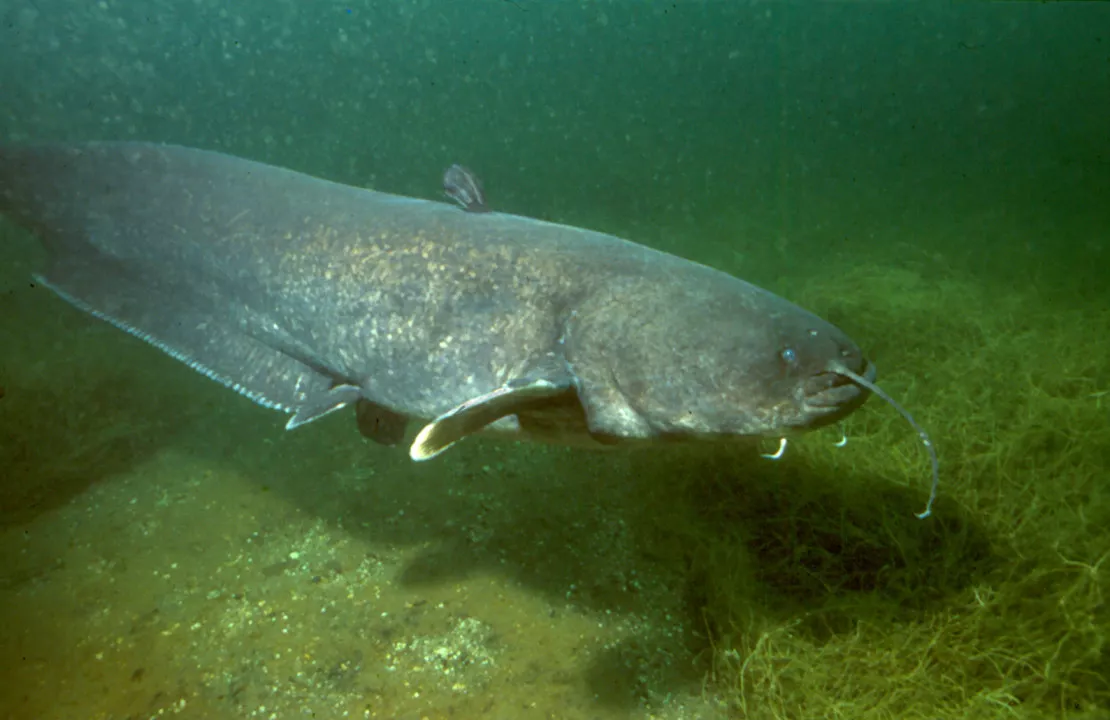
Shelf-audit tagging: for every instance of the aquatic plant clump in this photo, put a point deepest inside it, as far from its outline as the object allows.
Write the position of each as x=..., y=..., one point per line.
x=824, y=597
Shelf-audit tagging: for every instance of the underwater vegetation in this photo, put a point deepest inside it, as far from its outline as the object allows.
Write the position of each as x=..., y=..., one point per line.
x=822, y=596
x=709, y=582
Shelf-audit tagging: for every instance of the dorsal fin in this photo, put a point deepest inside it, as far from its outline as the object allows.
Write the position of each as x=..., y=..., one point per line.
x=463, y=186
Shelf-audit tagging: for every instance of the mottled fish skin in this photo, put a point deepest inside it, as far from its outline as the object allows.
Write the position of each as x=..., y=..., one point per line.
x=306, y=295
x=463, y=186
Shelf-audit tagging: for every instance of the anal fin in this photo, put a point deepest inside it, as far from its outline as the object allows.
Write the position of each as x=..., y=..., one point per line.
x=218, y=347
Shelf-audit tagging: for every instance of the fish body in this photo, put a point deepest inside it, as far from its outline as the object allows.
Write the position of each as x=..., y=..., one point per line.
x=306, y=295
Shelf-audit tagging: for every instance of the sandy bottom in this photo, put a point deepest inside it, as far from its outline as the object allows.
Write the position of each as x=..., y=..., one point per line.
x=168, y=549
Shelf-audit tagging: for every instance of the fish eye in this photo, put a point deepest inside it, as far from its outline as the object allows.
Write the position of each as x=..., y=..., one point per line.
x=789, y=356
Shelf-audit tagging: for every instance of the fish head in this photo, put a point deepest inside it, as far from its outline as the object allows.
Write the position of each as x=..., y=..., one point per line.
x=715, y=360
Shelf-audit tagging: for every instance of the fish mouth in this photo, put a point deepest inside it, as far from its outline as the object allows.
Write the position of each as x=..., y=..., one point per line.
x=830, y=391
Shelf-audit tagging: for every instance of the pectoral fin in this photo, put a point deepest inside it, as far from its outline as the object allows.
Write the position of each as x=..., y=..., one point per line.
x=514, y=397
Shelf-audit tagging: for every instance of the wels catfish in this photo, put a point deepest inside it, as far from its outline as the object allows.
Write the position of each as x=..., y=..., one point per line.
x=307, y=296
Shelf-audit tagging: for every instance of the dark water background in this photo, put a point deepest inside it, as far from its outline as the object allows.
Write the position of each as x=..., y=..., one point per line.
x=735, y=122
